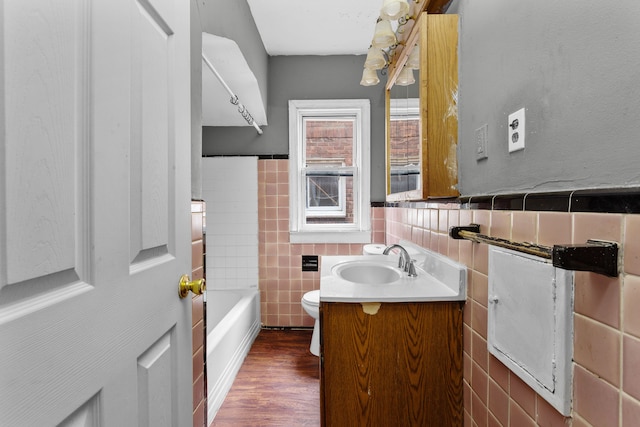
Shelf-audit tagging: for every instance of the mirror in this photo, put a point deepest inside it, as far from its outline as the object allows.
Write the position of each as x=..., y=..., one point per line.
x=404, y=137
x=404, y=130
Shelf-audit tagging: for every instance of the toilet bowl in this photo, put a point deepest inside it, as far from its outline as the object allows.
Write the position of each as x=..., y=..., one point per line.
x=311, y=304
x=311, y=301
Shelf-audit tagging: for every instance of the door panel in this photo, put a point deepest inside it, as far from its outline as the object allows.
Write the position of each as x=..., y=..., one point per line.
x=45, y=245
x=153, y=124
x=94, y=213
x=86, y=415
x=156, y=384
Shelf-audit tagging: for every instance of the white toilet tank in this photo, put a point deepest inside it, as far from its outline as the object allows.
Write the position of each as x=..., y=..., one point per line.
x=373, y=249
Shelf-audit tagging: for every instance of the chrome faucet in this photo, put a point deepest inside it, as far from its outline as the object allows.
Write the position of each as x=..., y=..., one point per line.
x=404, y=261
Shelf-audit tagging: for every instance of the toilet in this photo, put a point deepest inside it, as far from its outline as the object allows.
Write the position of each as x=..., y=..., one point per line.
x=311, y=304
x=311, y=301
x=373, y=249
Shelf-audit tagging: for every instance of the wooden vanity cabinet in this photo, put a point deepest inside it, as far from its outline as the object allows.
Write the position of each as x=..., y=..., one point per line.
x=399, y=367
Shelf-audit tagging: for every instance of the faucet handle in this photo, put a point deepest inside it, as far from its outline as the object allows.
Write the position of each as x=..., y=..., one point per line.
x=411, y=268
x=401, y=263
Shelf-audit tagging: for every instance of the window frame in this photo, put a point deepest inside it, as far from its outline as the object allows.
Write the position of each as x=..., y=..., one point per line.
x=339, y=211
x=360, y=230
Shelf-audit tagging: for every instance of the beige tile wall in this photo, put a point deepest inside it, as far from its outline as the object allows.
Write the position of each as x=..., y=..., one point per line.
x=282, y=281
x=606, y=316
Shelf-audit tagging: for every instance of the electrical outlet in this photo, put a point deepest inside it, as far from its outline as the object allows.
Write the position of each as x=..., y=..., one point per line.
x=481, y=142
x=516, y=131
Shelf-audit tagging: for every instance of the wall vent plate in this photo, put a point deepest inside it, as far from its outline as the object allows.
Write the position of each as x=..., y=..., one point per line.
x=309, y=262
x=530, y=322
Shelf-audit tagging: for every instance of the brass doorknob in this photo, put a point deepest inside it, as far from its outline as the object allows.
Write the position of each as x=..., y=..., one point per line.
x=186, y=285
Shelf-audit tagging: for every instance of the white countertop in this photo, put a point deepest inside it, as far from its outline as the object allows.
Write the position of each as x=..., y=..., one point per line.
x=439, y=279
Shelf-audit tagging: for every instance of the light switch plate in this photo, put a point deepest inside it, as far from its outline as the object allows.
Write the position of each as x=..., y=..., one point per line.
x=481, y=142
x=516, y=128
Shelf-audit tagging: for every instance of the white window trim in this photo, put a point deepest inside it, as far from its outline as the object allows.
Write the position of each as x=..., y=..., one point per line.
x=360, y=231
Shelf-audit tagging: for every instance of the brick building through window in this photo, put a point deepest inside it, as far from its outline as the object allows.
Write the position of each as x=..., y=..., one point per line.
x=329, y=144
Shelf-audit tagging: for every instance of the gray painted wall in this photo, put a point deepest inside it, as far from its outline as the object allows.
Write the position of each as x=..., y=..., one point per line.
x=575, y=67
x=305, y=77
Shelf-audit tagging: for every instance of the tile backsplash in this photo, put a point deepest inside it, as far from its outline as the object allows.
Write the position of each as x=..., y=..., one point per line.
x=282, y=281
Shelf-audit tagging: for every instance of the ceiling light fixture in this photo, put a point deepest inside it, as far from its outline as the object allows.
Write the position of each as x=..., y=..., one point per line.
x=376, y=59
x=394, y=9
x=385, y=40
x=414, y=58
x=383, y=35
x=369, y=77
x=405, y=77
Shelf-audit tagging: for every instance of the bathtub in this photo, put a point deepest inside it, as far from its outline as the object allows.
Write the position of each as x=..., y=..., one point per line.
x=233, y=322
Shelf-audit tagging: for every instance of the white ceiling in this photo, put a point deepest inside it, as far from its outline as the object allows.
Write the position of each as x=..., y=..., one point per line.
x=315, y=27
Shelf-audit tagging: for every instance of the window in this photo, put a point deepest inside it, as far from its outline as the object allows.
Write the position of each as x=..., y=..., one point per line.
x=329, y=171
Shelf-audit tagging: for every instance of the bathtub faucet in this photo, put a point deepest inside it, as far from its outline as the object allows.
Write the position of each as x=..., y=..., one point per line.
x=404, y=261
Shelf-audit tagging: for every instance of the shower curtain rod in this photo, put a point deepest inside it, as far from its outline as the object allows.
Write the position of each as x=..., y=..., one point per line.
x=234, y=98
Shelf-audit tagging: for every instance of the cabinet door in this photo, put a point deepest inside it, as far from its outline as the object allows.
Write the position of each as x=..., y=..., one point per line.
x=401, y=366
x=436, y=35
x=439, y=104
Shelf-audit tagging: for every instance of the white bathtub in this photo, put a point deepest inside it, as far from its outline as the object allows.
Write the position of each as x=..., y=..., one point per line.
x=233, y=322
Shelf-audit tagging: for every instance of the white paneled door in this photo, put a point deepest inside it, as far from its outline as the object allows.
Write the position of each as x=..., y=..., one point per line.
x=94, y=213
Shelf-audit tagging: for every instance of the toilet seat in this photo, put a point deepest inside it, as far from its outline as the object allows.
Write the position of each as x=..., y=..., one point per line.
x=312, y=298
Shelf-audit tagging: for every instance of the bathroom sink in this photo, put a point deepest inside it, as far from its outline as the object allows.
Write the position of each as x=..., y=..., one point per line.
x=373, y=273
x=377, y=278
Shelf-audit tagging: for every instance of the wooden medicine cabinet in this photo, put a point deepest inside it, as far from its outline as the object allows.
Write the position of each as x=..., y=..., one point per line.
x=422, y=117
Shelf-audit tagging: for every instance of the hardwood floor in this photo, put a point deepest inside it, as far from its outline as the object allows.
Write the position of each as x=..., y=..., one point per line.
x=278, y=384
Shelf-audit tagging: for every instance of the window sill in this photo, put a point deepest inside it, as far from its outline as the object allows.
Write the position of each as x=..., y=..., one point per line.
x=330, y=237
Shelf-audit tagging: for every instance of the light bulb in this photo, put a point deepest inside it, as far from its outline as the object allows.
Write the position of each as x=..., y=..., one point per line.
x=405, y=78
x=383, y=35
x=394, y=9
x=375, y=59
x=369, y=77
